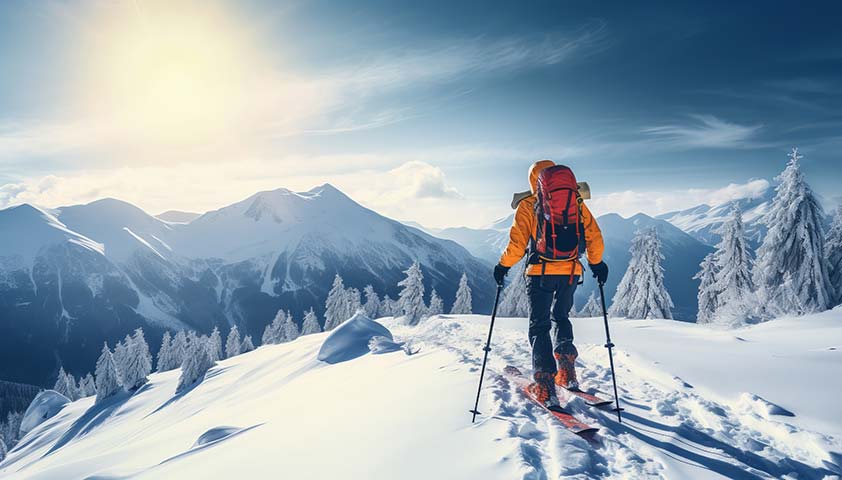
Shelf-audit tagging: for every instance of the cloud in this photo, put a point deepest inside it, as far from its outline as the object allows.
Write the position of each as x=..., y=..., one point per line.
x=630, y=202
x=420, y=180
x=706, y=131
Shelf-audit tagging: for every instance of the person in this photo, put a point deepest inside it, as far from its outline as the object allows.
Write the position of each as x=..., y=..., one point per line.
x=547, y=281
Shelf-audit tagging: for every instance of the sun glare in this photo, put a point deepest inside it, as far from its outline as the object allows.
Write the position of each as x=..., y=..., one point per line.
x=169, y=76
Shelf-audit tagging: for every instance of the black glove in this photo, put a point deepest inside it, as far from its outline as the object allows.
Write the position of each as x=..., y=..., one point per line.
x=500, y=273
x=600, y=272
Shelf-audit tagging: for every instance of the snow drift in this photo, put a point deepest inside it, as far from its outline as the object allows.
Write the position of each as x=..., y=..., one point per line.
x=350, y=339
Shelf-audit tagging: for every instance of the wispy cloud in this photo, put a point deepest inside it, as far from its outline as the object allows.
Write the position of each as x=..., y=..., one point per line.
x=630, y=202
x=705, y=131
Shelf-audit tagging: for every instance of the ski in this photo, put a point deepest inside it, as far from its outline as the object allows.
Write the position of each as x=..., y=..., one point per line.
x=564, y=417
x=589, y=398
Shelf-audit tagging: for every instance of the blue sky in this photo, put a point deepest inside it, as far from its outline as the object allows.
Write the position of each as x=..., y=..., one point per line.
x=430, y=111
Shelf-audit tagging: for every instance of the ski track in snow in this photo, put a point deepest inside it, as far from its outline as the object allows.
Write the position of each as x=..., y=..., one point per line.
x=668, y=430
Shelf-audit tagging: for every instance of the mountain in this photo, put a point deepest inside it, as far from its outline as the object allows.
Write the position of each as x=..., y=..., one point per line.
x=483, y=243
x=702, y=221
x=177, y=216
x=700, y=403
x=76, y=276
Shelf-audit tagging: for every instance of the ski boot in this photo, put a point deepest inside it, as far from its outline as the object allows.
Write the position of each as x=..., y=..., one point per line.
x=565, y=357
x=543, y=390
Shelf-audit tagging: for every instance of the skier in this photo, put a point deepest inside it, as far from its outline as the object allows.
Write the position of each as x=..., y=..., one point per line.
x=553, y=227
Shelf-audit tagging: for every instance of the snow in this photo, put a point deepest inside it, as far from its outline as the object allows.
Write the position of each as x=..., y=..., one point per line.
x=43, y=407
x=35, y=229
x=350, y=339
x=756, y=402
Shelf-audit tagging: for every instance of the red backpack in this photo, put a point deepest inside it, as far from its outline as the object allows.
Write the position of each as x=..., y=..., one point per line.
x=560, y=233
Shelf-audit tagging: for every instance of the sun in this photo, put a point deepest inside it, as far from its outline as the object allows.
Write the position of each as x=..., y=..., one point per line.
x=171, y=76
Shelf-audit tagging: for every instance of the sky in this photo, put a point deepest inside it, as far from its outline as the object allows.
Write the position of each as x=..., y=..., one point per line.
x=424, y=111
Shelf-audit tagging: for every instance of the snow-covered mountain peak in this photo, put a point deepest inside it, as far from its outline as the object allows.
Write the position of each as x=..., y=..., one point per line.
x=34, y=229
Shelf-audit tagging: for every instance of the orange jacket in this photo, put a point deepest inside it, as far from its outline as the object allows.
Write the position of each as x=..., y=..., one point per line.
x=525, y=225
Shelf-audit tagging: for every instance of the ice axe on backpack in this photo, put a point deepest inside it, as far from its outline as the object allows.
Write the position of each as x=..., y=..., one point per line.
x=584, y=192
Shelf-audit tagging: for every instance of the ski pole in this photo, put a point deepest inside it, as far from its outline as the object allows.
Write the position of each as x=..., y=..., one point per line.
x=487, y=349
x=609, y=345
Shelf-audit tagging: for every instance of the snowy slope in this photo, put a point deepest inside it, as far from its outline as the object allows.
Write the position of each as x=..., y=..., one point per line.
x=694, y=410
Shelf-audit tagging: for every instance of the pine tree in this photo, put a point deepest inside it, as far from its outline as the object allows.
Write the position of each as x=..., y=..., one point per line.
x=514, y=301
x=310, y=324
x=121, y=352
x=708, y=292
x=233, y=344
x=734, y=285
x=794, y=242
x=3, y=450
x=372, y=302
x=215, y=345
x=641, y=293
x=87, y=386
x=289, y=330
x=388, y=307
x=66, y=385
x=247, y=345
x=274, y=331
x=833, y=247
x=336, y=304
x=436, y=304
x=179, y=349
x=138, y=361
x=412, y=294
x=462, y=304
x=592, y=308
x=166, y=354
x=196, y=363
x=353, y=299
x=107, y=380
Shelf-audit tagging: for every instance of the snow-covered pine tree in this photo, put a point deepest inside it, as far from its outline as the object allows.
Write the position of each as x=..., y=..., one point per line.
x=412, y=294
x=273, y=333
x=121, y=352
x=463, y=303
x=734, y=285
x=354, y=302
x=794, y=242
x=592, y=307
x=289, y=329
x=138, y=362
x=87, y=386
x=436, y=304
x=573, y=312
x=3, y=450
x=196, y=363
x=708, y=292
x=166, y=355
x=372, y=302
x=387, y=307
x=833, y=248
x=247, y=345
x=107, y=380
x=233, y=344
x=310, y=324
x=336, y=306
x=215, y=345
x=179, y=348
x=641, y=293
x=514, y=301
x=66, y=385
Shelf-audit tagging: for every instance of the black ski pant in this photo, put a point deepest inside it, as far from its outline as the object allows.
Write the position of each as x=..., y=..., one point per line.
x=542, y=290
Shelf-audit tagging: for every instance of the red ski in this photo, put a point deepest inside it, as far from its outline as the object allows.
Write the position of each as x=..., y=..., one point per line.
x=589, y=398
x=564, y=417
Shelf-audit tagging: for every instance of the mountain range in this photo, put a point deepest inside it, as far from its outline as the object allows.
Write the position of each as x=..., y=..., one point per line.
x=73, y=277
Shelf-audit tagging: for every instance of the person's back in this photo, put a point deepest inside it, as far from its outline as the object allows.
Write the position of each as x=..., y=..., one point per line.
x=553, y=244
